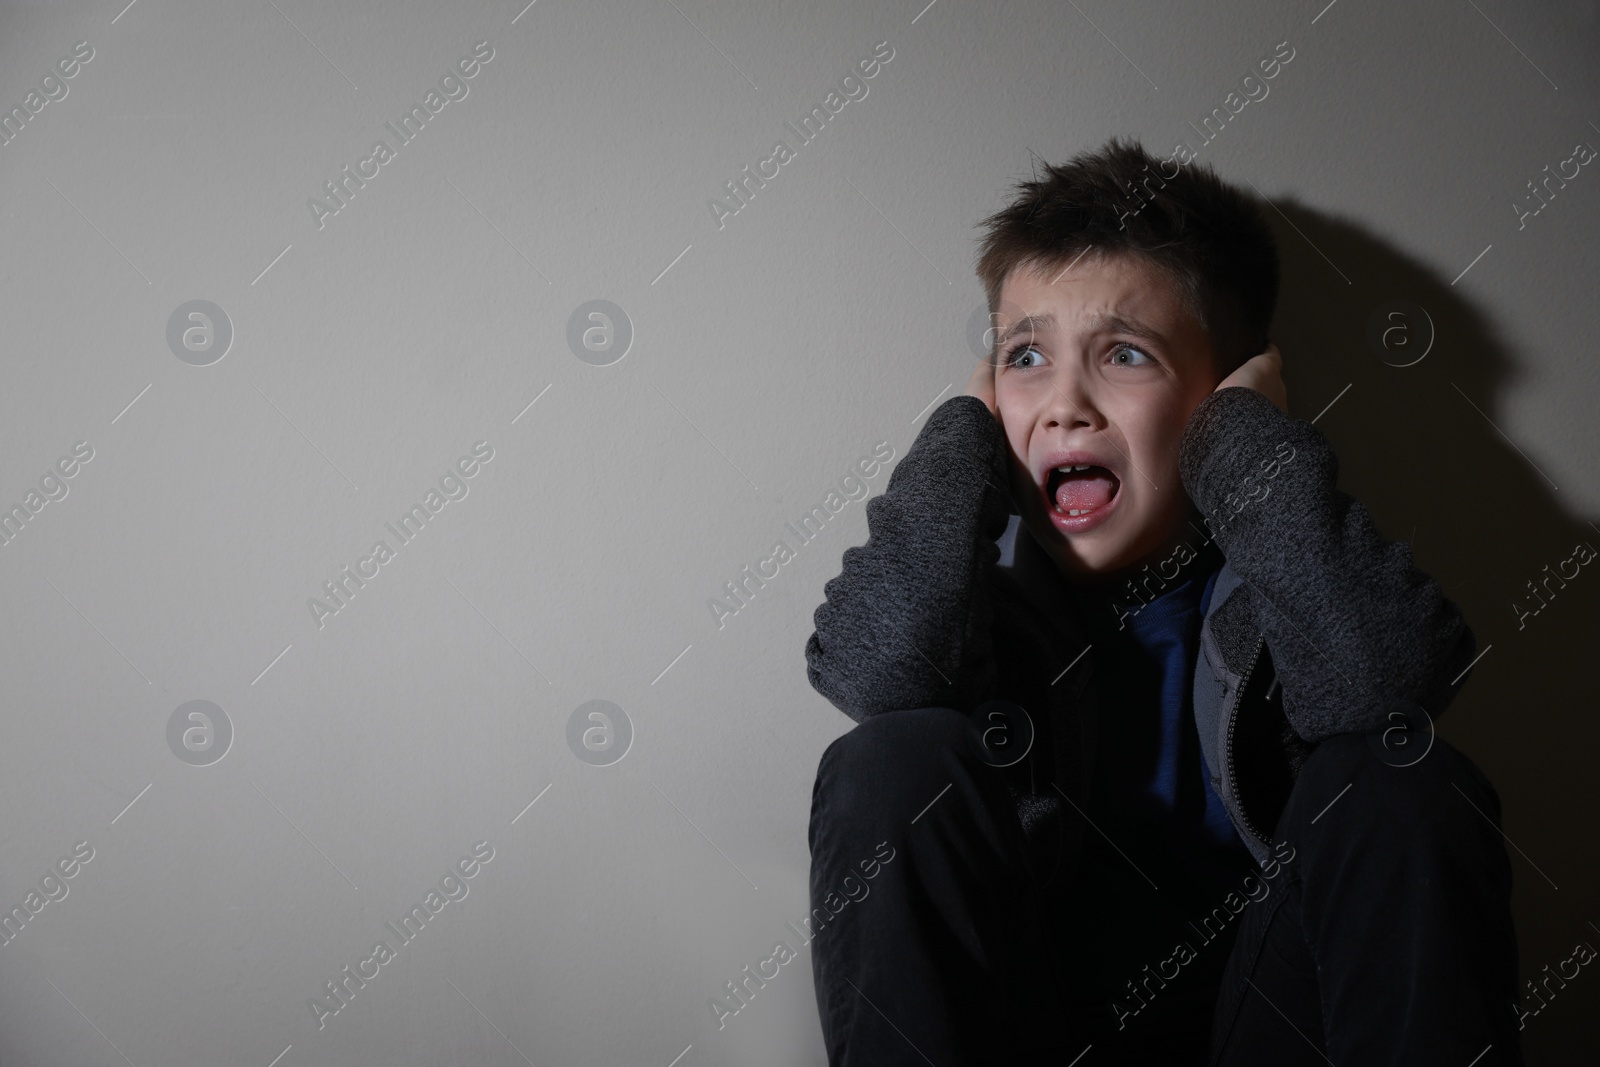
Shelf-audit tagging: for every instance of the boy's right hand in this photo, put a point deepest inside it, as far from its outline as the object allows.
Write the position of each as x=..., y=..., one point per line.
x=981, y=384
x=1263, y=373
x=907, y=621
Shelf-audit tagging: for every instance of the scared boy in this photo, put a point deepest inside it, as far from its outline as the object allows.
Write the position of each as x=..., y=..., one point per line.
x=1114, y=640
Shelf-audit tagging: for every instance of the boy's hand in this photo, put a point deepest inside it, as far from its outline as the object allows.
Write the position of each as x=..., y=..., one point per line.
x=1263, y=373
x=981, y=384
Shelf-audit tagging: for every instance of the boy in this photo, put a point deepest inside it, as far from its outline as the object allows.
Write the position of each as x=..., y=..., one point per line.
x=1115, y=638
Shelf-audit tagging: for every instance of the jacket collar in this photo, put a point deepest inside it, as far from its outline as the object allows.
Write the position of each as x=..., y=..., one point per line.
x=1034, y=573
x=1036, y=581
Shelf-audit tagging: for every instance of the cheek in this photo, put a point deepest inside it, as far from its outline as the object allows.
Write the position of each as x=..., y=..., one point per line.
x=1014, y=424
x=1017, y=467
x=1016, y=437
x=1153, y=436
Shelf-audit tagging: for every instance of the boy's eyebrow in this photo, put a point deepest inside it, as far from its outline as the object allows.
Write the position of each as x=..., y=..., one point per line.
x=1100, y=321
x=1028, y=324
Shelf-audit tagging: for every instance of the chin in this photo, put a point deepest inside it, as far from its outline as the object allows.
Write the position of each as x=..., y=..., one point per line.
x=1088, y=558
x=1099, y=570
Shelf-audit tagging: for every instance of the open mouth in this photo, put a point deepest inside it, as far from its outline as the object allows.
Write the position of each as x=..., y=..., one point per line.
x=1080, y=490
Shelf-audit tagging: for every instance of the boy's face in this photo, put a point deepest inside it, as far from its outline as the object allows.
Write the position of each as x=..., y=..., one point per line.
x=1074, y=385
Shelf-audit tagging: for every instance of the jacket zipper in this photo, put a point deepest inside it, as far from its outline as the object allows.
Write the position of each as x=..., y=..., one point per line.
x=1233, y=722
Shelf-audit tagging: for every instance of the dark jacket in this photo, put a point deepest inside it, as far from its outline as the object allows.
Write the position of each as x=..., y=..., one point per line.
x=1316, y=624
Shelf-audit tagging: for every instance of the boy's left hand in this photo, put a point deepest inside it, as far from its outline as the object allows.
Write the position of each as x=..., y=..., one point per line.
x=1264, y=374
x=981, y=384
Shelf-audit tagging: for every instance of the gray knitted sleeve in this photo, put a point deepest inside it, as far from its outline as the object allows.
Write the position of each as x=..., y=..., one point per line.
x=906, y=622
x=1349, y=620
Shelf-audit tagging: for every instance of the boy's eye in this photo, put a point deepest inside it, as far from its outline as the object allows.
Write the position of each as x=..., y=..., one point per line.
x=1012, y=357
x=1126, y=355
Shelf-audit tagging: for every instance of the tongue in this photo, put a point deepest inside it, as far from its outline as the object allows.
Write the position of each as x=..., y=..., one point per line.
x=1083, y=490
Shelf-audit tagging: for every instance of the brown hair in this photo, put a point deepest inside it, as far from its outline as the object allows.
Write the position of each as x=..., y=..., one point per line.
x=1209, y=237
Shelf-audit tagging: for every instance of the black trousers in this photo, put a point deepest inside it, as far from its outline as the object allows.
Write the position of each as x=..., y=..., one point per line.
x=1386, y=939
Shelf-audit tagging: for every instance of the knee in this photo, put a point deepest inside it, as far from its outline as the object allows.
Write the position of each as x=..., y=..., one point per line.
x=890, y=758
x=1431, y=791
x=1424, y=836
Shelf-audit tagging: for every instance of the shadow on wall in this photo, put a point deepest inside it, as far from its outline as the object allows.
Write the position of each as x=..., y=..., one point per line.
x=1484, y=522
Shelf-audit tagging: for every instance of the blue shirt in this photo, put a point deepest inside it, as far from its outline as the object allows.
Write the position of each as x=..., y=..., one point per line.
x=1164, y=765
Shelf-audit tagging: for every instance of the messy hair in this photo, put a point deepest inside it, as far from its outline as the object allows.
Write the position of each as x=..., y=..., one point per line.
x=1210, y=238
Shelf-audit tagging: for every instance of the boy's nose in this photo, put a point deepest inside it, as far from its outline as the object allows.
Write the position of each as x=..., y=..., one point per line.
x=1071, y=400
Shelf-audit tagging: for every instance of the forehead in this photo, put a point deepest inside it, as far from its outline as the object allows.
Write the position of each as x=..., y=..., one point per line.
x=1096, y=286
